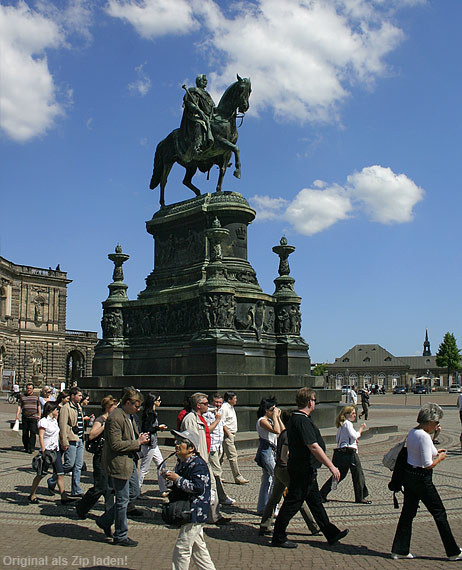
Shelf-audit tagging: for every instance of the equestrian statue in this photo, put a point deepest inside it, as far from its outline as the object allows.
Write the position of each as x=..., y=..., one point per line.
x=207, y=135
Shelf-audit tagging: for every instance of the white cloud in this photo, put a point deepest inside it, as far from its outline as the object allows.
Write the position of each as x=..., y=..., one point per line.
x=302, y=56
x=385, y=196
x=142, y=85
x=314, y=210
x=268, y=208
x=74, y=16
x=154, y=18
x=27, y=91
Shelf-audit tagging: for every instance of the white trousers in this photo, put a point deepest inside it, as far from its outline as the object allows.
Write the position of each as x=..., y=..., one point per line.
x=149, y=453
x=191, y=543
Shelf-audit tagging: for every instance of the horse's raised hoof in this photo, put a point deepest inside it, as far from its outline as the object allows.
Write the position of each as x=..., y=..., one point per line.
x=237, y=173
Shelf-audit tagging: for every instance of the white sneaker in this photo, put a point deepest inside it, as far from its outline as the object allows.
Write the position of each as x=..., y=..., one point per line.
x=399, y=556
x=455, y=557
x=228, y=501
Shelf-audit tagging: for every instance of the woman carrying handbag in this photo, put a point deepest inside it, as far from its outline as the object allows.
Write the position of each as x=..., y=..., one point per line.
x=346, y=456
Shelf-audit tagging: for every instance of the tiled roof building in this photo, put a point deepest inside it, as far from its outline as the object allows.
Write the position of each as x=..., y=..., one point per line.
x=373, y=364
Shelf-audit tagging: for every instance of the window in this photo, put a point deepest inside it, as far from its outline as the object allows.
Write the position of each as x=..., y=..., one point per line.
x=381, y=378
x=367, y=359
x=346, y=360
x=367, y=379
x=387, y=359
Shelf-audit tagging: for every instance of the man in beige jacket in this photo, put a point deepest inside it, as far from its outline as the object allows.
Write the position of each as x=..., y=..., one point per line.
x=71, y=429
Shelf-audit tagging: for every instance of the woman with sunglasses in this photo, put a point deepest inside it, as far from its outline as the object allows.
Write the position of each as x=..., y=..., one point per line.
x=269, y=426
x=150, y=424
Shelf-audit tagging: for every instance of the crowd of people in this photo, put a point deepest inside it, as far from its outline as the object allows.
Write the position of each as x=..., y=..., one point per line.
x=124, y=443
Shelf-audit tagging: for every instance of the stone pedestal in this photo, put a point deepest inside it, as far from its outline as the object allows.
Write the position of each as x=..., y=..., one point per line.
x=203, y=322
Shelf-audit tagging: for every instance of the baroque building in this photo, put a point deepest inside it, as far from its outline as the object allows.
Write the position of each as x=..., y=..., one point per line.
x=372, y=364
x=34, y=342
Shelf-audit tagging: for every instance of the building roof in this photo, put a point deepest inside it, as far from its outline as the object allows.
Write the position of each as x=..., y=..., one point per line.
x=368, y=356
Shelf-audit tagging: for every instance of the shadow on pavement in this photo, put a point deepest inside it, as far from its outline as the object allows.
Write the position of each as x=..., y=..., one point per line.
x=74, y=532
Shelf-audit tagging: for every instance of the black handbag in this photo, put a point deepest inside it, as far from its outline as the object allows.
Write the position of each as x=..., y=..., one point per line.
x=177, y=512
x=43, y=461
x=344, y=457
x=94, y=445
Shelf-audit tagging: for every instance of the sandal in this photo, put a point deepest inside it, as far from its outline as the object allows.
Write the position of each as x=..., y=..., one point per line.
x=34, y=500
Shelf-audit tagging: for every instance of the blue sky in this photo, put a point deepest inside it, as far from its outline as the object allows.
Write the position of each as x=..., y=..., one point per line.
x=351, y=148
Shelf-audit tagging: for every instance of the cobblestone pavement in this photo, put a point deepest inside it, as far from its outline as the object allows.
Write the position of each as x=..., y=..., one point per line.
x=49, y=535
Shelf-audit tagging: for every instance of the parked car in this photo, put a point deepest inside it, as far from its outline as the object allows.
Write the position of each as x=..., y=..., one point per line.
x=420, y=389
x=346, y=389
x=455, y=388
x=399, y=390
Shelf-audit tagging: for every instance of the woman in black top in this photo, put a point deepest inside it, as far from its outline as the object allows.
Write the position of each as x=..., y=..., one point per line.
x=150, y=451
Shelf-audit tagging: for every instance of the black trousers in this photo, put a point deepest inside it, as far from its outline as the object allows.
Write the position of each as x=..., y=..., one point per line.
x=357, y=474
x=100, y=486
x=303, y=486
x=29, y=433
x=418, y=486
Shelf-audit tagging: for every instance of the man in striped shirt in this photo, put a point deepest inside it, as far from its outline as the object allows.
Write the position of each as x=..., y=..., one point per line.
x=29, y=405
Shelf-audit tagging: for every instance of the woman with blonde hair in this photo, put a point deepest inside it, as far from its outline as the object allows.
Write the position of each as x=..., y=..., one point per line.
x=94, y=445
x=346, y=456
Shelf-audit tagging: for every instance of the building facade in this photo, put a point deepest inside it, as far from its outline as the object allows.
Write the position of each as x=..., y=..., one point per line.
x=371, y=364
x=34, y=342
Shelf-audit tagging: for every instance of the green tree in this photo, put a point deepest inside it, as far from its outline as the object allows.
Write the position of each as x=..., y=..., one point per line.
x=320, y=369
x=448, y=355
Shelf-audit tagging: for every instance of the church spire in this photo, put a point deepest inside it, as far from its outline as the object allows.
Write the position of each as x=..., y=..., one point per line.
x=426, y=345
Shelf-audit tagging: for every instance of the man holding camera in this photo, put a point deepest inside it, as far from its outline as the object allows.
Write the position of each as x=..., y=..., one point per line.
x=122, y=441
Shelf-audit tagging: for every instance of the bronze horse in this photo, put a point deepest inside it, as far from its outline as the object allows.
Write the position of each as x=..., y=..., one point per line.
x=168, y=151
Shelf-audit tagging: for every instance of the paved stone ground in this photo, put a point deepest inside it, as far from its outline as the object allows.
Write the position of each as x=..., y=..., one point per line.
x=50, y=535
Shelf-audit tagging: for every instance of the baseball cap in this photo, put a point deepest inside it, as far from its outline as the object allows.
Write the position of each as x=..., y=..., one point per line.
x=189, y=435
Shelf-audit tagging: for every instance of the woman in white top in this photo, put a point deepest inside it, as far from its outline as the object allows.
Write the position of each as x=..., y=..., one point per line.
x=269, y=426
x=422, y=457
x=49, y=446
x=346, y=456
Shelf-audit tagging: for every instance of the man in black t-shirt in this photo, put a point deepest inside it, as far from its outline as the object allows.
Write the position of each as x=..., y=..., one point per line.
x=306, y=455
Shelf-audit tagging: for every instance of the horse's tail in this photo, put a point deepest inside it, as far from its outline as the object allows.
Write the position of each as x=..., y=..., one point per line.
x=158, y=167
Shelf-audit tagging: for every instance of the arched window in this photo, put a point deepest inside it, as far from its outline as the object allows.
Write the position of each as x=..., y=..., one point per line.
x=353, y=379
x=381, y=379
x=367, y=379
x=338, y=381
x=396, y=379
x=75, y=366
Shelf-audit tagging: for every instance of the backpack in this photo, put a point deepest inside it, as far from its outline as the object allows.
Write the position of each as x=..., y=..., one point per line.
x=397, y=477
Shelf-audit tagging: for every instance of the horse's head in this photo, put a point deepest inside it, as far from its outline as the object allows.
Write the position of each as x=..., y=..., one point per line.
x=245, y=88
x=236, y=96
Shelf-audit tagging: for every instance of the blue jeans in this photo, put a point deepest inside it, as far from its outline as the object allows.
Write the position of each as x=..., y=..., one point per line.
x=265, y=459
x=72, y=461
x=125, y=491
